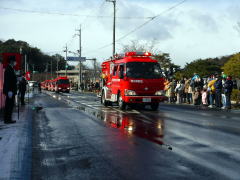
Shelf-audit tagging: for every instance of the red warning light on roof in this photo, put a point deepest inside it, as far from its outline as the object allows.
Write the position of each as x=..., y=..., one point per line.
x=138, y=54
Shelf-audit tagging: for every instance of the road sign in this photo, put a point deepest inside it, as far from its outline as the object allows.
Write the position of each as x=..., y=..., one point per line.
x=72, y=58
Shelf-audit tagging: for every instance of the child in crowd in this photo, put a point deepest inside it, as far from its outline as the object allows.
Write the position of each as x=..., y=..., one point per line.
x=197, y=96
x=204, y=97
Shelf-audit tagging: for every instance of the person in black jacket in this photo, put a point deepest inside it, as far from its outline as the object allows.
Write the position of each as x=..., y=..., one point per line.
x=9, y=89
x=228, y=86
x=218, y=86
x=22, y=88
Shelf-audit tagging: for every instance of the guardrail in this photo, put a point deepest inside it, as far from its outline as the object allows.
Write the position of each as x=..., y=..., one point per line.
x=2, y=97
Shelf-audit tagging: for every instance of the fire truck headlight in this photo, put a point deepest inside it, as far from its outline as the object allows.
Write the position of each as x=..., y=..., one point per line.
x=159, y=93
x=130, y=92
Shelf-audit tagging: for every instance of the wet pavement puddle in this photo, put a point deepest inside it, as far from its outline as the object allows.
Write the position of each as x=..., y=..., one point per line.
x=130, y=122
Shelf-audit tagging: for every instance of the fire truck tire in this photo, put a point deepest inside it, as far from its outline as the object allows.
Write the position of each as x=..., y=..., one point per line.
x=121, y=103
x=154, y=106
x=103, y=99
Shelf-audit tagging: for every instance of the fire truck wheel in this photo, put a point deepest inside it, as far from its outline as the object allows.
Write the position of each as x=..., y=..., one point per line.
x=154, y=106
x=121, y=103
x=103, y=99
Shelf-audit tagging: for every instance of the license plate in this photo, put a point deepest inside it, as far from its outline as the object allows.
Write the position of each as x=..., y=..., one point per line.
x=146, y=99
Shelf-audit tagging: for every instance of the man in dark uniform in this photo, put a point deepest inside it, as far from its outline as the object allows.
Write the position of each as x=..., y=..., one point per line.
x=9, y=89
x=22, y=88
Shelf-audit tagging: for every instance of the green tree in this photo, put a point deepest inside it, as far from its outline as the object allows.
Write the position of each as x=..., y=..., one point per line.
x=202, y=67
x=166, y=63
x=37, y=60
x=232, y=66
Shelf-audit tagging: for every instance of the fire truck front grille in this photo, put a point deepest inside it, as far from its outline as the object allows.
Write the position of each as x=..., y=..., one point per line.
x=146, y=94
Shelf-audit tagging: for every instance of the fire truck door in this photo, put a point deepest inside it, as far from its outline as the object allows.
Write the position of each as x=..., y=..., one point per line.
x=115, y=83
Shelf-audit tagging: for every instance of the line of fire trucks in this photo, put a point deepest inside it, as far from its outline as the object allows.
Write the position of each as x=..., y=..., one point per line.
x=127, y=79
x=60, y=84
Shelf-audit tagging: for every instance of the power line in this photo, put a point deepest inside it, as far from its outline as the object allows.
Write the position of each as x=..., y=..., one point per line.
x=66, y=14
x=86, y=17
x=101, y=5
x=154, y=17
x=140, y=26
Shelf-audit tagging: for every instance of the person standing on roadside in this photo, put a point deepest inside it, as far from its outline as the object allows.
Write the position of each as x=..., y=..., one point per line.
x=197, y=96
x=218, y=86
x=39, y=87
x=179, y=91
x=186, y=91
x=166, y=88
x=9, y=89
x=212, y=92
x=204, y=97
x=223, y=94
x=22, y=88
x=228, y=86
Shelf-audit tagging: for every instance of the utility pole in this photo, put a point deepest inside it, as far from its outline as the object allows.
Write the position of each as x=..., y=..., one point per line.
x=46, y=70
x=51, y=69
x=57, y=65
x=114, y=23
x=25, y=59
x=80, y=55
x=94, y=66
x=33, y=73
x=25, y=62
x=66, y=51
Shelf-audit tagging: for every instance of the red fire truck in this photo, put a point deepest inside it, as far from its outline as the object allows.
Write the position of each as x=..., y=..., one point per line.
x=59, y=84
x=62, y=84
x=132, y=78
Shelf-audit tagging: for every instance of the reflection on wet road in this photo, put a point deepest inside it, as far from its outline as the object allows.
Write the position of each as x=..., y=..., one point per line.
x=181, y=142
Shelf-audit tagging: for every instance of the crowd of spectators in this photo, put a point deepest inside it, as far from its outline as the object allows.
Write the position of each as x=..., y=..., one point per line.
x=88, y=87
x=213, y=91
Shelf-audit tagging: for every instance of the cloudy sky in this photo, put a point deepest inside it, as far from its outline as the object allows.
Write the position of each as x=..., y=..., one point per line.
x=195, y=29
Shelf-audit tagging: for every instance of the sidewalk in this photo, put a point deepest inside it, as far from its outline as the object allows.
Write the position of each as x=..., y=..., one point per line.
x=233, y=110
x=15, y=145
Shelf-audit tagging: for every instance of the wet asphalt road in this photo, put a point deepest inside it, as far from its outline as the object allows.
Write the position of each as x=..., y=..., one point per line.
x=75, y=137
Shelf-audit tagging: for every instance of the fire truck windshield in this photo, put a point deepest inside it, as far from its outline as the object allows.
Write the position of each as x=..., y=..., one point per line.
x=146, y=70
x=63, y=81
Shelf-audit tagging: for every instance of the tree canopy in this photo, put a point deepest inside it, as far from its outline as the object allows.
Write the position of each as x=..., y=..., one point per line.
x=37, y=60
x=202, y=67
x=232, y=67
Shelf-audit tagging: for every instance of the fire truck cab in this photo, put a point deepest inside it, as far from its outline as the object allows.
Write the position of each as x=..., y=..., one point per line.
x=62, y=84
x=132, y=78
